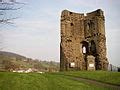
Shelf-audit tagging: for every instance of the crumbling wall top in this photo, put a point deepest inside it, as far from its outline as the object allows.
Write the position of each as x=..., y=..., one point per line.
x=69, y=13
x=98, y=12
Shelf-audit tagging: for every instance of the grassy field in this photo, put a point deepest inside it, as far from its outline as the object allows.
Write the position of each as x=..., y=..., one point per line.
x=46, y=81
x=102, y=76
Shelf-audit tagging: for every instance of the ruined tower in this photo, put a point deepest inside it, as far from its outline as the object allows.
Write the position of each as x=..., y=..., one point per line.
x=83, y=41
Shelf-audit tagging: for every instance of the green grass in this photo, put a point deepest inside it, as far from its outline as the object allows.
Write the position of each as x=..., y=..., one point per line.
x=103, y=76
x=47, y=81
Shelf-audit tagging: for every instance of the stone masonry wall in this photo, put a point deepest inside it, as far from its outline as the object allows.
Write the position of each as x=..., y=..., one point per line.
x=78, y=31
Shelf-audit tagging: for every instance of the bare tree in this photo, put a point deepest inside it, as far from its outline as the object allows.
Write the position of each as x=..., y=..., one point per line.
x=7, y=6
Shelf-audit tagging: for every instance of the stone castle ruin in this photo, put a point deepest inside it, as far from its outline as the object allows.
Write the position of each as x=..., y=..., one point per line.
x=83, y=41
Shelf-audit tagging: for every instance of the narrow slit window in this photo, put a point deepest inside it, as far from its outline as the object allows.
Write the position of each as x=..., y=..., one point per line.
x=84, y=49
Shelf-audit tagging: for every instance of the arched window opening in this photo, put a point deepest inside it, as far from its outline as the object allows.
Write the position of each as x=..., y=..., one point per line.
x=88, y=26
x=85, y=47
x=84, y=50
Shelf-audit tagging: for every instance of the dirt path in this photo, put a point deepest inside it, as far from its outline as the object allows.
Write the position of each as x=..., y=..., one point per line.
x=97, y=83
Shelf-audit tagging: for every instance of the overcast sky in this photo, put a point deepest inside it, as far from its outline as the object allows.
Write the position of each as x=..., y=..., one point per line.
x=36, y=33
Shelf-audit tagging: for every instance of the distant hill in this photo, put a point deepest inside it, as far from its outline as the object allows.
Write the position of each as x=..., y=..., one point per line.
x=11, y=61
x=10, y=54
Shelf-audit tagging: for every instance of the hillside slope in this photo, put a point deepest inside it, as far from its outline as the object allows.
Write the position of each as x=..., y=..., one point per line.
x=10, y=54
x=11, y=61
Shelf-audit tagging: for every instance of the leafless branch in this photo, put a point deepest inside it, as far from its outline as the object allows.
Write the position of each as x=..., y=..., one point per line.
x=6, y=7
